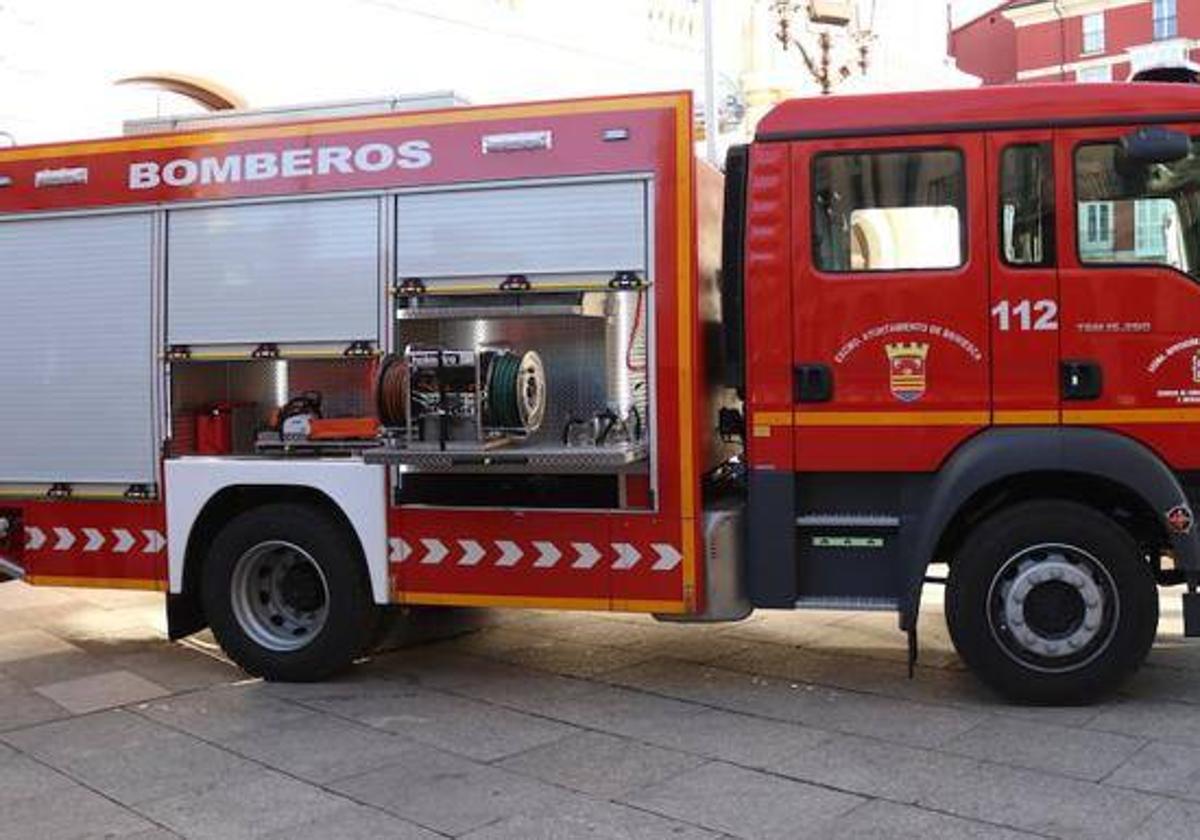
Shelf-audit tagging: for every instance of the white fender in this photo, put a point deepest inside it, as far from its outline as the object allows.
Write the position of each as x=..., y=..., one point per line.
x=357, y=489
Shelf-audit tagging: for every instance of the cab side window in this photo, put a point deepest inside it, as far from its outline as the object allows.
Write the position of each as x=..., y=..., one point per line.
x=889, y=211
x=1137, y=213
x=1027, y=205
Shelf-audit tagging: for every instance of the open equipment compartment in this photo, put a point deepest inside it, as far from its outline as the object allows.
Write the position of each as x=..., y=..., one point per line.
x=523, y=352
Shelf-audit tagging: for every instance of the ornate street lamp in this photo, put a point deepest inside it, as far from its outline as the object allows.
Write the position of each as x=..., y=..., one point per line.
x=821, y=19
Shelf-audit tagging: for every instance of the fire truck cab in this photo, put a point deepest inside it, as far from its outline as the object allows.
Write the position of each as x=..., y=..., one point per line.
x=538, y=355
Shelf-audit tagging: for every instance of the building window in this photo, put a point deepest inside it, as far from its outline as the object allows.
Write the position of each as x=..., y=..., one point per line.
x=1096, y=230
x=1153, y=218
x=1094, y=74
x=1027, y=205
x=889, y=211
x=1093, y=33
x=1165, y=23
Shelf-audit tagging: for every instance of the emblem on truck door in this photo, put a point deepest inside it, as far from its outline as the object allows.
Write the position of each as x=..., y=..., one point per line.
x=1180, y=519
x=906, y=370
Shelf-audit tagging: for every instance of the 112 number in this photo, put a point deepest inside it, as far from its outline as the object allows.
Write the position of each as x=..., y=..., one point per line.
x=1037, y=315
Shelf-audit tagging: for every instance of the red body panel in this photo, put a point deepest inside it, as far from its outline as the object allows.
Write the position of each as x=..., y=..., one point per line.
x=623, y=559
x=769, y=309
x=115, y=544
x=1024, y=363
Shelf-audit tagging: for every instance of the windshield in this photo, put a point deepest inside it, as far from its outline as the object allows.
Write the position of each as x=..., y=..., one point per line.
x=1138, y=213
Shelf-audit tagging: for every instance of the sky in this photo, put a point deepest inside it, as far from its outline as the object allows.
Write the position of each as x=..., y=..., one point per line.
x=964, y=10
x=59, y=58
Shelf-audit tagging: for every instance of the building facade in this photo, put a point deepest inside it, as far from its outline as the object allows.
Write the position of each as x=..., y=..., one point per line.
x=1077, y=40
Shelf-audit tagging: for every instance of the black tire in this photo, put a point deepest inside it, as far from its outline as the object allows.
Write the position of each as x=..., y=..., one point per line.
x=331, y=580
x=1022, y=630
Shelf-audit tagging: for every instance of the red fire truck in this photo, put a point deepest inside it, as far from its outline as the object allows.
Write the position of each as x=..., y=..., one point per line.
x=540, y=356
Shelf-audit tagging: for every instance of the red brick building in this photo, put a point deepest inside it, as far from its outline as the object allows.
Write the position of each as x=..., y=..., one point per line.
x=1077, y=40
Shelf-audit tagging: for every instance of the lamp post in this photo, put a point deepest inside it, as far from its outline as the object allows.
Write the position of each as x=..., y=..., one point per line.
x=821, y=19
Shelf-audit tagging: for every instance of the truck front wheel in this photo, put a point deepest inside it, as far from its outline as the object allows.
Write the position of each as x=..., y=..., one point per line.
x=286, y=593
x=1051, y=602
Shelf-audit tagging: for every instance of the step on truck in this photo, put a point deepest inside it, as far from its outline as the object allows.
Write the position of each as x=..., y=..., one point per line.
x=538, y=355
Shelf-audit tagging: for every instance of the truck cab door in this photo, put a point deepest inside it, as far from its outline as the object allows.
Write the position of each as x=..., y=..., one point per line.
x=1024, y=298
x=890, y=256
x=1130, y=282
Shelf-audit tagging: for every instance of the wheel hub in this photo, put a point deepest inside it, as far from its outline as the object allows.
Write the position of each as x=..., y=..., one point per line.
x=1053, y=607
x=279, y=595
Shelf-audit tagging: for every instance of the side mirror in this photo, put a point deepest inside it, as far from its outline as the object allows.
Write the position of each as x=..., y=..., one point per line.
x=1154, y=144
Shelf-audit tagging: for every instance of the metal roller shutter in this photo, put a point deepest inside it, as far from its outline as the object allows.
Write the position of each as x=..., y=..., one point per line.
x=76, y=350
x=297, y=271
x=584, y=228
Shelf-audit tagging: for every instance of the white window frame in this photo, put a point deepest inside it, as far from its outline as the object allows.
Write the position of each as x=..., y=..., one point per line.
x=1093, y=33
x=1091, y=75
x=1098, y=237
x=1149, y=232
x=1166, y=20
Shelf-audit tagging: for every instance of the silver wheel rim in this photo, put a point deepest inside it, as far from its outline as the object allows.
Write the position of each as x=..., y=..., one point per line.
x=1053, y=608
x=279, y=595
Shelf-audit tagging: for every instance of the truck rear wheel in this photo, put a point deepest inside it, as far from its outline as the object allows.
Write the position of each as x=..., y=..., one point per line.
x=1051, y=602
x=286, y=593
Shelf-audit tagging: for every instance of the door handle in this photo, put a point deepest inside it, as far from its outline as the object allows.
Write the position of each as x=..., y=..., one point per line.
x=1081, y=380
x=812, y=383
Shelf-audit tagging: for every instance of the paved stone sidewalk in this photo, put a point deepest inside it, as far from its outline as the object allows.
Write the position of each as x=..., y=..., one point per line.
x=554, y=725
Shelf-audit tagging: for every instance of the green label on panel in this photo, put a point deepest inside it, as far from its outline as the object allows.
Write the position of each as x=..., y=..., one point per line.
x=848, y=542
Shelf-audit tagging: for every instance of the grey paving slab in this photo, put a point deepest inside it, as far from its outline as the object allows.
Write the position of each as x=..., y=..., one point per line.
x=582, y=817
x=74, y=813
x=739, y=739
x=105, y=690
x=221, y=714
x=127, y=757
x=1080, y=753
x=242, y=807
x=618, y=710
x=18, y=645
x=880, y=820
x=21, y=706
x=354, y=822
x=60, y=666
x=886, y=678
x=23, y=778
x=450, y=794
x=321, y=748
x=570, y=658
x=1161, y=767
x=477, y=677
x=899, y=721
x=601, y=765
x=1173, y=821
x=1041, y=803
x=457, y=724
x=179, y=667
x=1151, y=719
x=747, y=803
x=875, y=768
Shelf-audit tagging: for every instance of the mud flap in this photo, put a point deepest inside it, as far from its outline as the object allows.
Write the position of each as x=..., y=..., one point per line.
x=1191, y=612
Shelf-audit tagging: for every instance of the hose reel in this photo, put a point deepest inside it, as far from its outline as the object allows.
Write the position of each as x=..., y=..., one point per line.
x=439, y=395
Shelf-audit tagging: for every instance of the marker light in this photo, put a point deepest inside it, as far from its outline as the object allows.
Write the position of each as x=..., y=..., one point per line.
x=521, y=141
x=61, y=177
